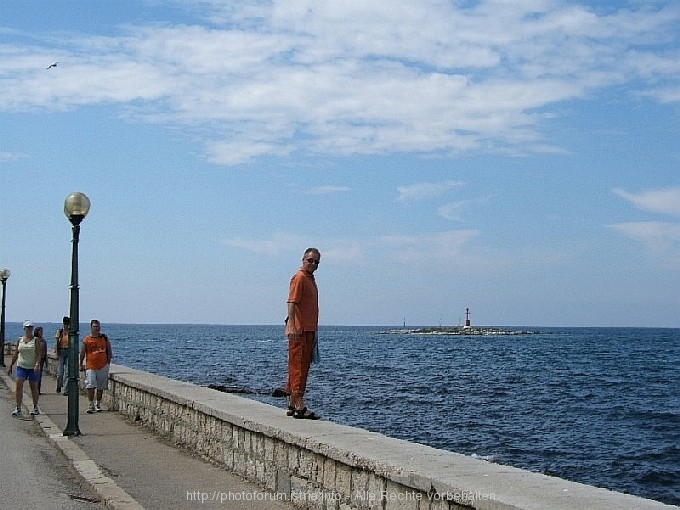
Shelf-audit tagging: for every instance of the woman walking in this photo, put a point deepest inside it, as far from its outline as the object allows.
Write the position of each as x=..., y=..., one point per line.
x=27, y=357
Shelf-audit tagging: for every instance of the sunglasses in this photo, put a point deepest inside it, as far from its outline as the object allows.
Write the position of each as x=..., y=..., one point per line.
x=313, y=261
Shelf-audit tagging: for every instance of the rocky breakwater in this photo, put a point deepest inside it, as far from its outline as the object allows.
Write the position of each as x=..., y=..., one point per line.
x=460, y=331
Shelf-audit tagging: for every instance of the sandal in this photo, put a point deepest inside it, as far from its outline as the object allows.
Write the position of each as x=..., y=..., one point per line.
x=291, y=411
x=304, y=414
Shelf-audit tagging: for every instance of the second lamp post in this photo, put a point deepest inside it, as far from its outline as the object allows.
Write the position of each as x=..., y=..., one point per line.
x=4, y=274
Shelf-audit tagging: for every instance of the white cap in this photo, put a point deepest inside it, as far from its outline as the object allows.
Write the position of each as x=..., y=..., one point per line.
x=28, y=324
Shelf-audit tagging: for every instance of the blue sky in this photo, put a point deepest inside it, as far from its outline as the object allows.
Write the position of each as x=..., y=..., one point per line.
x=519, y=158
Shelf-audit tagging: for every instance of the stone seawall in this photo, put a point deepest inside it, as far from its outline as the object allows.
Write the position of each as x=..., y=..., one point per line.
x=324, y=465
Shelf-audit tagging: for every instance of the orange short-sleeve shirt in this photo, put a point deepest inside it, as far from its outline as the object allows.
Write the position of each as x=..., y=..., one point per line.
x=96, y=352
x=304, y=293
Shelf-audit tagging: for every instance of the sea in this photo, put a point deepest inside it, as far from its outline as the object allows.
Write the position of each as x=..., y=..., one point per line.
x=599, y=406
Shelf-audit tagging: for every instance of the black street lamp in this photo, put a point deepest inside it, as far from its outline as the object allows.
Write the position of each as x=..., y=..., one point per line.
x=76, y=207
x=4, y=274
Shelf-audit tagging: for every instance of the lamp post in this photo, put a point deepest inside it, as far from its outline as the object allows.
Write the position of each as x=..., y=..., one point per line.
x=76, y=207
x=4, y=274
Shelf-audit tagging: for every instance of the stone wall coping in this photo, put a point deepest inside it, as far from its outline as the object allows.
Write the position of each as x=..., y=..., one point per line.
x=419, y=467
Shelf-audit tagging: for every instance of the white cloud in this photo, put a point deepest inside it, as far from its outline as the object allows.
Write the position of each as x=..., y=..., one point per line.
x=425, y=190
x=328, y=190
x=230, y=153
x=439, y=246
x=452, y=210
x=663, y=201
x=8, y=157
x=352, y=252
x=354, y=76
x=279, y=243
x=663, y=239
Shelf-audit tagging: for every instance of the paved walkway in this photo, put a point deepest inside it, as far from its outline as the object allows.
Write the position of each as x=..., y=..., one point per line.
x=129, y=468
x=33, y=473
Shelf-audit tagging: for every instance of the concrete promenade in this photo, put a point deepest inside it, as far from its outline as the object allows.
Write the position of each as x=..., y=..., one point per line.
x=261, y=459
x=33, y=474
x=124, y=466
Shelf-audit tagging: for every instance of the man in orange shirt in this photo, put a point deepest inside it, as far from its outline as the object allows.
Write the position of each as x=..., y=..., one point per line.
x=301, y=327
x=95, y=357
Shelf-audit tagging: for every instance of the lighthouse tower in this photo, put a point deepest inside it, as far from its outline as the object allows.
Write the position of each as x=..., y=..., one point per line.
x=467, y=319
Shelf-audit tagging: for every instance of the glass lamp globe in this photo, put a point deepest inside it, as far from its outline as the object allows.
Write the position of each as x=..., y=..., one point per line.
x=76, y=206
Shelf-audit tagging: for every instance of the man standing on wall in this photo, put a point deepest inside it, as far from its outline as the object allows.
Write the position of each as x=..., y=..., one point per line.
x=96, y=354
x=301, y=327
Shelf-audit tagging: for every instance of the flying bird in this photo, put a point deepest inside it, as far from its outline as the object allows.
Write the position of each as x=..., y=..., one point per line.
x=53, y=64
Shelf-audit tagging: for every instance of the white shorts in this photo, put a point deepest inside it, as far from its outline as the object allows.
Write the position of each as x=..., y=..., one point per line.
x=97, y=379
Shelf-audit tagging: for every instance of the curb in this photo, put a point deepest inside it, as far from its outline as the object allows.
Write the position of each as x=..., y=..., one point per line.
x=111, y=494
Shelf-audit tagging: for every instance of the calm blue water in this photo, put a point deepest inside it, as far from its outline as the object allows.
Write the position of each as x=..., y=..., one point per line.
x=594, y=405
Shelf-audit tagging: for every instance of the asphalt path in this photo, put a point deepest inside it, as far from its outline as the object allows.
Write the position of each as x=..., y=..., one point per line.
x=33, y=474
x=117, y=463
